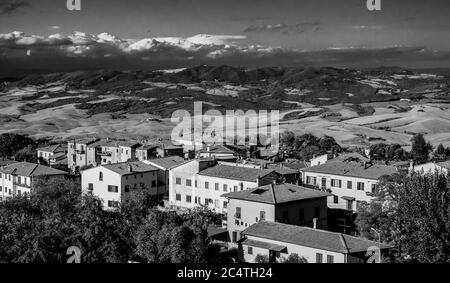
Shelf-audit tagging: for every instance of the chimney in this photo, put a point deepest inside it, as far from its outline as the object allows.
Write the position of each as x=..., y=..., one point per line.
x=129, y=168
x=314, y=223
x=272, y=187
x=258, y=181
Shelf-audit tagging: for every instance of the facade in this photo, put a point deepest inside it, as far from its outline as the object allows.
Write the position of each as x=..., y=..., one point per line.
x=203, y=182
x=113, y=182
x=169, y=150
x=86, y=153
x=164, y=165
x=18, y=178
x=279, y=240
x=146, y=152
x=53, y=154
x=284, y=203
x=349, y=182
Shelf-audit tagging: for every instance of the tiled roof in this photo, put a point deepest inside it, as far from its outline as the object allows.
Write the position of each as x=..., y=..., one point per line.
x=146, y=147
x=297, y=164
x=30, y=170
x=309, y=237
x=353, y=169
x=277, y=194
x=217, y=149
x=86, y=141
x=115, y=143
x=136, y=167
x=281, y=170
x=7, y=162
x=350, y=156
x=166, y=162
x=235, y=173
x=51, y=148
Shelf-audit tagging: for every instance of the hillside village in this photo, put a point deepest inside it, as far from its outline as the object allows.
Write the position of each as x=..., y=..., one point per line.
x=270, y=206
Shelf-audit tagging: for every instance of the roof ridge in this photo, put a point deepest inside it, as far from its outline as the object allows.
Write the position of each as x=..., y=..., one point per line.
x=344, y=243
x=34, y=169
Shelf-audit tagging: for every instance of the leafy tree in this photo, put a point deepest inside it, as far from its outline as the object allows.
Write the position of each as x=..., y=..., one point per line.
x=11, y=143
x=412, y=213
x=294, y=258
x=440, y=149
x=420, y=148
x=261, y=259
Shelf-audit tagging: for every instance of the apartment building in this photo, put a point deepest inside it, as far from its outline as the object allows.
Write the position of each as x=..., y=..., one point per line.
x=164, y=165
x=78, y=156
x=218, y=151
x=18, y=178
x=284, y=203
x=349, y=182
x=52, y=154
x=113, y=182
x=278, y=240
x=203, y=182
x=146, y=152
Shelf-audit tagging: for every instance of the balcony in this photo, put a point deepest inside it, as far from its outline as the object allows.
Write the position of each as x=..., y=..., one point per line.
x=15, y=183
x=80, y=151
x=104, y=153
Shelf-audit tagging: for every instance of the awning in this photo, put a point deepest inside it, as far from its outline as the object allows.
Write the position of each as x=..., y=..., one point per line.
x=348, y=198
x=264, y=245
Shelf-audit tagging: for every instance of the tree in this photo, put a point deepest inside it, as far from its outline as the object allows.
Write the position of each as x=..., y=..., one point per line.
x=412, y=213
x=261, y=258
x=440, y=149
x=11, y=143
x=293, y=258
x=420, y=148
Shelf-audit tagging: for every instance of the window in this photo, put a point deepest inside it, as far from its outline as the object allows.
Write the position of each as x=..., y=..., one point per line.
x=234, y=239
x=188, y=183
x=285, y=216
x=301, y=214
x=315, y=180
x=112, y=203
x=336, y=183
x=178, y=197
x=178, y=181
x=360, y=186
x=316, y=212
x=196, y=183
x=319, y=258
x=19, y=180
x=90, y=187
x=127, y=188
x=235, y=188
x=225, y=187
x=335, y=199
x=308, y=180
x=113, y=189
x=206, y=185
x=238, y=213
x=250, y=250
x=153, y=183
x=374, y=188
x=225, y=204
x=349, y=185
x=188, y=199
x=262, y=215
x=330, y=259
x=100, y=176
x=216, y=186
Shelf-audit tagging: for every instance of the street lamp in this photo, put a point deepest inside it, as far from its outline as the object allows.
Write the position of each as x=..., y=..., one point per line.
x=379, y=243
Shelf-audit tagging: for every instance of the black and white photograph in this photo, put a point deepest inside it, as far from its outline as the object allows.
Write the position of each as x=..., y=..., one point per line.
x=235, y=136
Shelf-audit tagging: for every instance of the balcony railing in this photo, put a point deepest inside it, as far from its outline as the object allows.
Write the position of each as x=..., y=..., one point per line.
x=15, y=183
x=103, y=153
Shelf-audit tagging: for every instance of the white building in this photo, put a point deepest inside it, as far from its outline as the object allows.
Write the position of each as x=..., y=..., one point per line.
x=52, y=154
x=202, y=182
x=164, y=165
x=18, y=178
x=278, y=240
x=431, y=167
x=112, y=182
x=285, y=203
x=349, y=182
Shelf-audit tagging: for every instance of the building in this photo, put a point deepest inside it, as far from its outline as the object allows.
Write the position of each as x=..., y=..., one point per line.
x=87, y=153
x=18, y=178
x=164, y=165
x=203, y=181
x=77, y=154
x=284, y=203
x=349, y=156
x=112, y=182
x=349, y=182
x=169, y=150
x=431, y=167
x=52, y=154
x=278, y=240
x=146, y=152
x=218, y=151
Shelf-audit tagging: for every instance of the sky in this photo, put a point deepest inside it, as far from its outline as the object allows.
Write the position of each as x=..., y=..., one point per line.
x=305, y=29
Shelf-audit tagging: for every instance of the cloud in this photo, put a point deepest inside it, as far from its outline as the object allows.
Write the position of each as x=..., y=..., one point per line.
x=11, y=6
x=283, y=28
x=79, y=50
